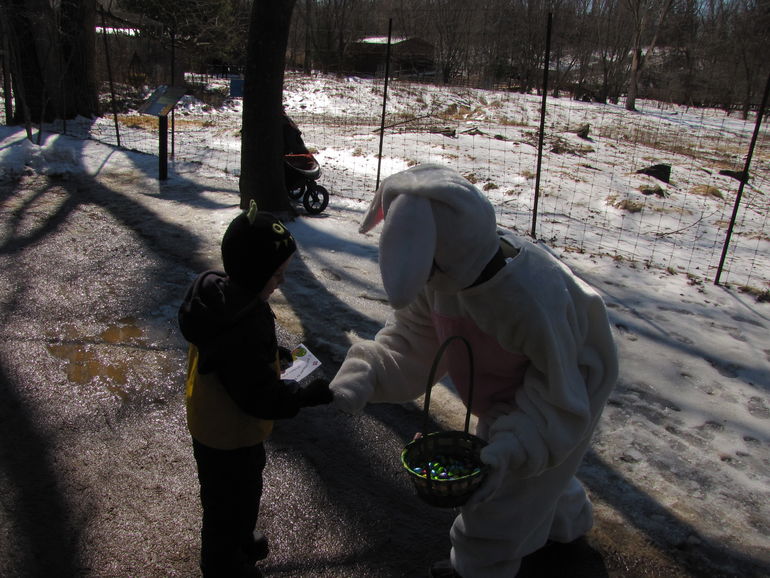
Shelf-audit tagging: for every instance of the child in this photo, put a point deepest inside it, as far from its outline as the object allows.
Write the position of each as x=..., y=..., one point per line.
x=544, y=361
x=234, y=389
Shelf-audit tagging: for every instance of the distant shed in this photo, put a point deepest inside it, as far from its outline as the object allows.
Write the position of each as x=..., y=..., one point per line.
x=408, y=56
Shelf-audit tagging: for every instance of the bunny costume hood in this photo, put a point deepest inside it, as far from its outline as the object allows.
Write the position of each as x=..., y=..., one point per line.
x=440, y=231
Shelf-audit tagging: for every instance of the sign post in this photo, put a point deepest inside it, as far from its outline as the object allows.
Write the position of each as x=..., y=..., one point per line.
x=160, y=103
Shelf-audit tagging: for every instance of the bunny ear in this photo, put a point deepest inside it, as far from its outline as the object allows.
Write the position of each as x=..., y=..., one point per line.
x=374, y=215
x=407, y=247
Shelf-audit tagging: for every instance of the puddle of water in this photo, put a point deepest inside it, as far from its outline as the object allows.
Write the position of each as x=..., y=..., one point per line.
x=83, y=363
x=121, y=333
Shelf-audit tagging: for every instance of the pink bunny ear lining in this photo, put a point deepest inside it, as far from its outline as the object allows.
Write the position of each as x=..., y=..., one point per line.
x=375, y=214
x=372, y=219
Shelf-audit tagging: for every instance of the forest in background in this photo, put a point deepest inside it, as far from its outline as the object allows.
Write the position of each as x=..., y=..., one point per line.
x=693, y=52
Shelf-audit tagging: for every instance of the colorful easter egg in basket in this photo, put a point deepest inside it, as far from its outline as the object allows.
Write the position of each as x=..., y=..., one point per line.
x=445, y=466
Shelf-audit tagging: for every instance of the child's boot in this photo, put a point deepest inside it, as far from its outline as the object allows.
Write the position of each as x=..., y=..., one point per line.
x=443, y=569
x=257, y=549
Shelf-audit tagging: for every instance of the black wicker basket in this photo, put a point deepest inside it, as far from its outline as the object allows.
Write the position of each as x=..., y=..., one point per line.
x=458, y=470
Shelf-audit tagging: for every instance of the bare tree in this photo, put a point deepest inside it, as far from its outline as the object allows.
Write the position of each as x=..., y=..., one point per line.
x=713, y=42
x=5, y=50
x=334, y=25
x=299, y=48
x=643, y=12
x=752, y=45
x=530, y=28
x=447, y=24
x=581, y=40
x=680, y=65
x=52, y=58
x=262, y=173
x=77, y=25
x=613, y=46
x=206, y=32
x=567, y=37
x=489, y=43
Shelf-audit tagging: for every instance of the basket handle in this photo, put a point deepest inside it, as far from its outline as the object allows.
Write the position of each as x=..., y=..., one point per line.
x=432, y=376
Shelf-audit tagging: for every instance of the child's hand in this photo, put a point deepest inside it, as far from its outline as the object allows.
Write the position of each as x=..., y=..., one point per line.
x=316, y=393
x=285, y=358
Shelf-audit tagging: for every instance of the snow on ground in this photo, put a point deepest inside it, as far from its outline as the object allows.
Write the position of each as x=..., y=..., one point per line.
x=683, y=450
x=591, y=197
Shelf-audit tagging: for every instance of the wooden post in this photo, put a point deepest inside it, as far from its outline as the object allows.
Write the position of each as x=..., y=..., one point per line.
x=162, y=147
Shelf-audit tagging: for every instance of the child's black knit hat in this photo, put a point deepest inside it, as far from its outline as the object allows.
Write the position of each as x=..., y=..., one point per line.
x=254, y=245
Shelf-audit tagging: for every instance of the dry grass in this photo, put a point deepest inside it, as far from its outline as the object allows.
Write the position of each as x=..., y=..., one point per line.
x=656, y=190
x=707, y=191
x=630, y=205
x=761, y=295
x=150, y=123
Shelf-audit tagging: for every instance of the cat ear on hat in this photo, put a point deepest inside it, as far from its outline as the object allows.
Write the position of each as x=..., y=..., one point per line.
x=251, y=212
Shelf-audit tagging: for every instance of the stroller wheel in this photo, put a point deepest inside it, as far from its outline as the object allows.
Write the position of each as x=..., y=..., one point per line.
x=316, y=199
x=297, y=192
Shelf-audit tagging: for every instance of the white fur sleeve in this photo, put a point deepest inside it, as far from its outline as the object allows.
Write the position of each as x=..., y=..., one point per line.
x=573, y=369
x=393, y=367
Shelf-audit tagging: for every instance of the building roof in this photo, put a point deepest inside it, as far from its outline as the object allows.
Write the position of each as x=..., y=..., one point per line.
x=382, y=40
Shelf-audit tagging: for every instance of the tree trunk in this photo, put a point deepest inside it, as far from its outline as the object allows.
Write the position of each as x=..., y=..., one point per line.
x=6, y=49
x=78, y=52
x=306, y=64
x=633, y=84
x=639, y=57
x=748, y=95
x=54, y=54
x=640, y=19
x=26, y=24
x=262, y=169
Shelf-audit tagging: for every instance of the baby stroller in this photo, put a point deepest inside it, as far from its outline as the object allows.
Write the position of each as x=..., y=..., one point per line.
x=302, y=170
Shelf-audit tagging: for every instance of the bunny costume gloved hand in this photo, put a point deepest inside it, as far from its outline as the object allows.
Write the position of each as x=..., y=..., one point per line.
x=544, y=358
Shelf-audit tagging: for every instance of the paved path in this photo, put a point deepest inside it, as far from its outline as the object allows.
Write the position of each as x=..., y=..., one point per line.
x=96, y=472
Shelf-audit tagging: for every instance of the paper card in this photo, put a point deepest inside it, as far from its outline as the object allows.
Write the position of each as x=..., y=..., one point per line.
x=304, y=364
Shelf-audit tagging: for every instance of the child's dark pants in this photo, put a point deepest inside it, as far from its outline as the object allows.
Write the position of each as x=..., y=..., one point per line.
x=230, y=489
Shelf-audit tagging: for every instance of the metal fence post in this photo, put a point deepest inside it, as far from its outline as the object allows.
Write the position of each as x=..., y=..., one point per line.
x=384, y=103
x=744, y=178
x=542, y=125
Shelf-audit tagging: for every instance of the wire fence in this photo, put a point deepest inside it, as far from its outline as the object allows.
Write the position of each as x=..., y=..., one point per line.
x=594, y=196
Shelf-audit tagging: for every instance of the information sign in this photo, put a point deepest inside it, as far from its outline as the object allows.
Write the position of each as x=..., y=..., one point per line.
x=162, y=101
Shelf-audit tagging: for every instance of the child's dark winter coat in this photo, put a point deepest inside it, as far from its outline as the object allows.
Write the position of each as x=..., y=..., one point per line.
x=233, y=383
x=234, y=390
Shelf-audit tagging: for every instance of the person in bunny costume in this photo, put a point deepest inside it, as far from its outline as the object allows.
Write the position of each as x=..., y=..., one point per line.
x=544, y=356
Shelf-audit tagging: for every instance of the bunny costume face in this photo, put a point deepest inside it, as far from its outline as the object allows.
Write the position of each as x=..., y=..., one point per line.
x=439, y=230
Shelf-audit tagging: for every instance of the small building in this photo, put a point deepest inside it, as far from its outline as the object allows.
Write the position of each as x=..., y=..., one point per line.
x=408, y=57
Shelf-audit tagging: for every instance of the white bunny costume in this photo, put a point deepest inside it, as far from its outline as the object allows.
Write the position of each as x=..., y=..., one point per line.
x=544, y=356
